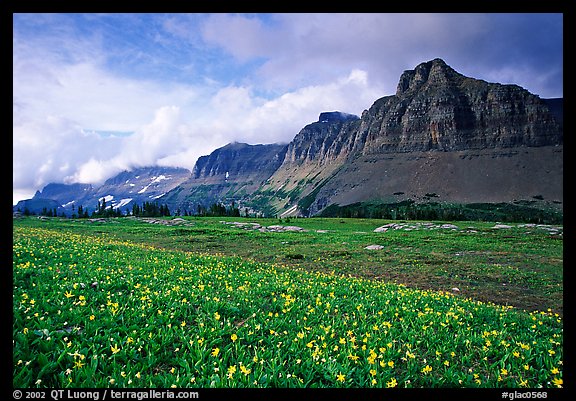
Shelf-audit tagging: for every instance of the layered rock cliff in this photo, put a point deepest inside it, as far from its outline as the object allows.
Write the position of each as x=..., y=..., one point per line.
x=394, y=147
x=232, y=173
x=239, y=161
x=436, y=108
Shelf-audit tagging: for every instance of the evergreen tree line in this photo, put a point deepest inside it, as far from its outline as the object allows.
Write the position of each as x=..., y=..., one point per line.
x=219, y=210
x=146, y=209
x=408, y=210
x=150, y=209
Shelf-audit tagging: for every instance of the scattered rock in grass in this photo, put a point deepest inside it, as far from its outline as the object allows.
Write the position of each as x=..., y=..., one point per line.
x=449, y=226
x=294, y=256
x=414, y=226
x=174, y=222
x=455, y=289
x=269, y=229
x=374, y=247
x=553, y=230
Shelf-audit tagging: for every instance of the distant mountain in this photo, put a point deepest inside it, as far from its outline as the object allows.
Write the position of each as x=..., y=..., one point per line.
x=37, y=206
x=146, y=184
x=64, y=193
x=442, y=137
x=457, y=138
x=229, y=174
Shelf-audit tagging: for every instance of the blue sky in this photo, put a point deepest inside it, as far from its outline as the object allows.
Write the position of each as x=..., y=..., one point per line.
x=94, y=94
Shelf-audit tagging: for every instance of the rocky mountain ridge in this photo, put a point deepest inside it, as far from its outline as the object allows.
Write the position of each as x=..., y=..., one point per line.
x=442, y=133
x=145, y=184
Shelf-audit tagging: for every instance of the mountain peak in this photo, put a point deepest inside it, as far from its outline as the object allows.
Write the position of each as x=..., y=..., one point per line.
x=435, y=71
x=330, y=116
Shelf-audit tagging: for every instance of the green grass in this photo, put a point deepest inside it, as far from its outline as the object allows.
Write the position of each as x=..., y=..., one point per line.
x=521, y=266
x=172, y=306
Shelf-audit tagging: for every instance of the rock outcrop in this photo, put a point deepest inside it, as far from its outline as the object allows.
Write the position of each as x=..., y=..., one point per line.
x=436, y=108
x=240, y=161
x=230, y=174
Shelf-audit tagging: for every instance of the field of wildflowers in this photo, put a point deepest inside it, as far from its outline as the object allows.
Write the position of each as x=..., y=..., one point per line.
x=95, y=311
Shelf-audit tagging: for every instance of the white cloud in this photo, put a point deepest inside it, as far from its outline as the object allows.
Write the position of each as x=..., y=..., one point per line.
x=280, y=119
x=93, y=97
x=51, y=150
x=296, y=50
x=58, y=149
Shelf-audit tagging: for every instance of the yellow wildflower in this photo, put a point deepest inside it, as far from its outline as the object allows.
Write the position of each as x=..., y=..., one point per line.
x=557, y=382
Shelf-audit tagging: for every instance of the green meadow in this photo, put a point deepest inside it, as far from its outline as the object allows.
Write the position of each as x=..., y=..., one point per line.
x=203, y=302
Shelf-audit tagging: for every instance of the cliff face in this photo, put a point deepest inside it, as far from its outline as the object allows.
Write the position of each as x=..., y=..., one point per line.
x=463, y=139
x=436, y=108
x=321, y=142
x=229, y=174
x=240, y=161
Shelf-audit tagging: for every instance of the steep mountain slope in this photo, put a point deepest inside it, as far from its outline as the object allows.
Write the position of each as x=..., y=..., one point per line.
x=229, y=174
x=436, y=108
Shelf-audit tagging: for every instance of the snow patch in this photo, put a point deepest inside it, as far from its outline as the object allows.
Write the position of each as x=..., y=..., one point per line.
x=159, y=178
x=123, y=202
x=158, y=196
x=289, y=211
x=67, y=204
x=154, y=181
x=107, y=198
